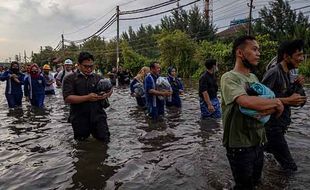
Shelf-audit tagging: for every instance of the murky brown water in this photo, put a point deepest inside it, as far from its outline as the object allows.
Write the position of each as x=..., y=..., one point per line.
x=37, y=150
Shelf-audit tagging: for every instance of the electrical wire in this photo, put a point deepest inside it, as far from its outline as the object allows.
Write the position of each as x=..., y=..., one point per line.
x=149, y=8
x=155, y=14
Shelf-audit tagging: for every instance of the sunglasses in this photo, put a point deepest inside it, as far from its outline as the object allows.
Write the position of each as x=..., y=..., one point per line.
x=88, y=66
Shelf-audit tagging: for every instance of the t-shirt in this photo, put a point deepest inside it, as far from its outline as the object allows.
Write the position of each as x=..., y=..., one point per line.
x=61, y=76
x=239, y=130
x=48, y=79
x=207, y=82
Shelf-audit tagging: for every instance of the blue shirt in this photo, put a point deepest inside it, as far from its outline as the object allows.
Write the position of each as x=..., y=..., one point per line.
x=33, y=86
x=150, y=83
x=176, y=85
x=12, y=87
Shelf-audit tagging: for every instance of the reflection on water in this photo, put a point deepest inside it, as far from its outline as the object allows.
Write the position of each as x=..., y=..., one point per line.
x=179, y=152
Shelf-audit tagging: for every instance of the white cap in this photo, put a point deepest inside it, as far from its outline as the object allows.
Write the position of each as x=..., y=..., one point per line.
x=68, y=62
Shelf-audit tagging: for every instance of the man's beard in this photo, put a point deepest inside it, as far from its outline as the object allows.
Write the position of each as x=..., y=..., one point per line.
x=290, y=65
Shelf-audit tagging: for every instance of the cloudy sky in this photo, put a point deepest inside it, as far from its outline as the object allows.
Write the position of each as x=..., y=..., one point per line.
x=28, y=24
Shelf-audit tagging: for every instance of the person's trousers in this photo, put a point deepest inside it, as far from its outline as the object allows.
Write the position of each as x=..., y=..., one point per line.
x=95, y=124
x=14, y=100
x=156, y=111
x=246, y=165
x=277, y=145
x=37, y=100
x=205, y=111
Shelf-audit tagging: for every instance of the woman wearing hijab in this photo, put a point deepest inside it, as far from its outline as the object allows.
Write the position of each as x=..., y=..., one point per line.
x=14, y=81
x=136, y=86
x=34, y=87
x=177, y=88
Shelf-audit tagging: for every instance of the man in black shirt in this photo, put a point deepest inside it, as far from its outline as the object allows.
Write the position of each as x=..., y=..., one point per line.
x=87, y=115
x=209, y=103
x=290, y=55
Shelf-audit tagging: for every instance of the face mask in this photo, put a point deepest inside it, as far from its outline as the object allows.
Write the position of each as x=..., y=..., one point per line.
x=15, y=70
x=46, y=72
x=34, y=72
x=247, y=64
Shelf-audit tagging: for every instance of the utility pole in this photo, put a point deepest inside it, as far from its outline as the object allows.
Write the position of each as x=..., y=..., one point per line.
x=117, y=37
x=250, y=17
x=25, y=57
x=63, y=45
x=19, y=57
x=209, y=10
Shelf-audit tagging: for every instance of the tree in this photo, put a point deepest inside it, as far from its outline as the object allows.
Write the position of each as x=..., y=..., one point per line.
x=96, y=46
x=268, y=50
x=192, y=22
x=280, y=21
x=219, y=50
x=132, y=60
x=177, y=49
x=44, y=57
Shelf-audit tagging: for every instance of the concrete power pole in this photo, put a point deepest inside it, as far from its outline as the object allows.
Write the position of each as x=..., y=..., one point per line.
x=63, y=45
x=209, y=10
x=117, y=37
x=25, y=57
x=250, y=17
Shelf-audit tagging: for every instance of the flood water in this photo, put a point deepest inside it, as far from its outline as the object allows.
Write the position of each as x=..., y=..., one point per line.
x=37, y=149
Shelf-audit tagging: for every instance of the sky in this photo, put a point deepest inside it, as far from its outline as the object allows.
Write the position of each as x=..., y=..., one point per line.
x=28, y=24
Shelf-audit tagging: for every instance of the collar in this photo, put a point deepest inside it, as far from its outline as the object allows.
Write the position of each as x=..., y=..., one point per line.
x=79, y=73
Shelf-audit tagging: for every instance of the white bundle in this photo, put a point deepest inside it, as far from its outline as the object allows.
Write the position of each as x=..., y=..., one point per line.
x=162, y=84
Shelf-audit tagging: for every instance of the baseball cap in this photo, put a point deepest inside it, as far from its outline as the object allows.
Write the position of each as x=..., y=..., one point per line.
x=68, y=62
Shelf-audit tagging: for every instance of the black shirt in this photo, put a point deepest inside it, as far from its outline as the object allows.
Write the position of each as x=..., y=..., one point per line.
x=278, y=81
x=80, y=85
x=207, y=82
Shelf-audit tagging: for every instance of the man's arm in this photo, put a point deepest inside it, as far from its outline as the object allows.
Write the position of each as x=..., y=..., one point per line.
x=160, y=93
x=294, y=100
x=263, y=105
x=206, y=98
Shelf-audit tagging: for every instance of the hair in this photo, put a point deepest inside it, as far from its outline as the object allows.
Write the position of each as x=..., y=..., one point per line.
x=14, y=63
x=209, y=63
x=170, y=69
x=289, y=48
x=85, y=56
x=153, y=63
x=141, y=74
x=240, y=41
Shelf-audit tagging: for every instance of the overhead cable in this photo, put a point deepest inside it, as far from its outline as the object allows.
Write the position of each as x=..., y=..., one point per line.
x=141, y=17
x=149, y=8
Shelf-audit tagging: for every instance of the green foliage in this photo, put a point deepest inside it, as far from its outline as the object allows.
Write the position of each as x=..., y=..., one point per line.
x=214, y=50
x=44, y=57
x=280, y=21
x=132, y=60
x=143, y=41
x=96, y=46
x=304, y=68
x=268, y=50
x=177, y=49
x=193, y=22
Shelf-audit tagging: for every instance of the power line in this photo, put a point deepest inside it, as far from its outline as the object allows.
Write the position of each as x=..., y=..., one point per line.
x=149, y=8
x=100, y=31
x=95, y=21
x=155, y=14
